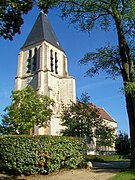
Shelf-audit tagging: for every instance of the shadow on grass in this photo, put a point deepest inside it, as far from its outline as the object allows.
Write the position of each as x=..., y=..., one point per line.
x=108, y=170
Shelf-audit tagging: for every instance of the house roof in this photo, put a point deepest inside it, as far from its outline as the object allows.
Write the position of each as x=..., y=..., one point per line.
x=105, y=115
x=42, y=30
x=102, y=112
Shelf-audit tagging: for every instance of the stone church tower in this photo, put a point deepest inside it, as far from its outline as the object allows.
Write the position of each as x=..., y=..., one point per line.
x=42, y=63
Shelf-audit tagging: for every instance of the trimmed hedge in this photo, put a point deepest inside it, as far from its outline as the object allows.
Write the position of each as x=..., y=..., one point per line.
x=40, y=154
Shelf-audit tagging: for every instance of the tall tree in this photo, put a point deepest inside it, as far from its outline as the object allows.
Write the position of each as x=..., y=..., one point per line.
x=26, y=110
x=119, y=60
x=82, y=119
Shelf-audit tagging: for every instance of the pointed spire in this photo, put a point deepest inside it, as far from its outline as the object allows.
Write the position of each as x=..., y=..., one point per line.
x=42, y=30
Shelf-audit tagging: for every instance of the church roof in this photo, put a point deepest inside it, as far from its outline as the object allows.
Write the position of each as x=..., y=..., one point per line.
x=42, y=30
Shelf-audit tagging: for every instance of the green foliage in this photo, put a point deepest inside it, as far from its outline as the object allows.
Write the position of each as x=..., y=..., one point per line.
x=79, y=119
x=122, y=144
x=130, y=88
x=26, y=110
x=124, y=175
x=11, y=19
x=82, y=119
x=44, y=5
x=106, y=136
x=40, y=154
x=104, y=59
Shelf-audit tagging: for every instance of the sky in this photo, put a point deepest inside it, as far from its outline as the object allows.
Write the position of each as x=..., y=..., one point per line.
x=105, y=93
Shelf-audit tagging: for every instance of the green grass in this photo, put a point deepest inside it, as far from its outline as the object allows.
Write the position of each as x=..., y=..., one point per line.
x=104, y=158
x=125, y=175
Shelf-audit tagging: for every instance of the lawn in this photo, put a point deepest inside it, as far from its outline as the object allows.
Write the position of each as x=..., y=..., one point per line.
x=106, y=158
x=125, y=175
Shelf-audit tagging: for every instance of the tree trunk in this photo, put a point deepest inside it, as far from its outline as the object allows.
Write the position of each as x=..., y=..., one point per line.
x=128, y=76
x=130, y=102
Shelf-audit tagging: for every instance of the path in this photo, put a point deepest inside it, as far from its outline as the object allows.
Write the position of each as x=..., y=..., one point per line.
x=111, y=165
x=101, y=171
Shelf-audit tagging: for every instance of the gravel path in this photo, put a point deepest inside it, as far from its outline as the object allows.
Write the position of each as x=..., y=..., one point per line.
x=77, y=174
x=101, y=171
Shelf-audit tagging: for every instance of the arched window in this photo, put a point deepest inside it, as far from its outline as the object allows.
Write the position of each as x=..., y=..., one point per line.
x=29, y=62
x=56, y=63
x=51, y=58
x=34, y=63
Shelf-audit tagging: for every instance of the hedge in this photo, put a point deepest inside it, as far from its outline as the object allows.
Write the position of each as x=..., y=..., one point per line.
x=40, y=154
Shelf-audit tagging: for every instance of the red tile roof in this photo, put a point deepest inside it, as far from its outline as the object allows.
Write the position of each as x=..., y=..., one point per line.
x=103, y=113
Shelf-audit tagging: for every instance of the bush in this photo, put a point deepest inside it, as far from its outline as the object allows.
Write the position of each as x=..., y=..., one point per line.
x=40, y=154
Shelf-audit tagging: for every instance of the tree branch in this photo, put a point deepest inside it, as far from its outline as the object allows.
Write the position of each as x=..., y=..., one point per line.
x=86, y=5
x=100, y=15
x=105, y=2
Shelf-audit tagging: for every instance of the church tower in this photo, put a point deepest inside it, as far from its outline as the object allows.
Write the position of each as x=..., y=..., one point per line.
x=42, y=63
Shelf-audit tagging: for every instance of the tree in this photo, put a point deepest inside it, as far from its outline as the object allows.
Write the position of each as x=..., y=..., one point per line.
x=11, y=15
x=82, y=119
x=26, y=110
x=115, y=61
x=11, y=19
x=106, y=136
x=122, y=144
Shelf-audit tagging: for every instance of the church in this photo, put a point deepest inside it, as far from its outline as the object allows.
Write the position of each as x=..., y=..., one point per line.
x=42, y=63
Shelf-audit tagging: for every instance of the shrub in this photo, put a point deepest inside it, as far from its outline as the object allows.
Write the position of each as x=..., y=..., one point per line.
x=40, y=154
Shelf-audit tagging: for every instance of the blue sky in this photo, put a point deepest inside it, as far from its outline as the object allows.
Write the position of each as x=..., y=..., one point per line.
x=105, y=93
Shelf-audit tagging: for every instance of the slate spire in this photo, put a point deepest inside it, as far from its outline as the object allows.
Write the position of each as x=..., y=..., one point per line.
x=42, y=31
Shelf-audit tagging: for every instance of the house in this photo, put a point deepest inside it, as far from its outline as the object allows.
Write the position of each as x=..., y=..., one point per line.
x=93, y=147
